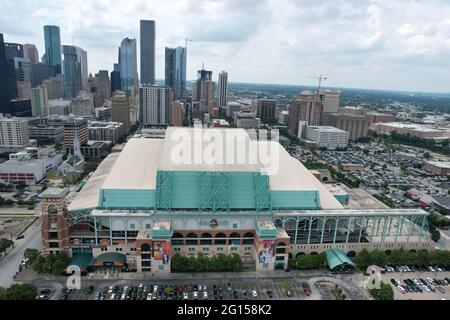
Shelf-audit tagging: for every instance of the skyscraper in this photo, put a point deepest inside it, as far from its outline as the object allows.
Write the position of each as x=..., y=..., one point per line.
x=304, y=107
x=52, y=40
x=175, y=71
x=72, y=71
x=4, y=93
x=265, y=109
x=40, y=72
x=148, y=52
x=203, y=88
x=37, y=101
x=176, y=114
x=223, y=88
x=120, y=110
x=30, y=52
x=115, y=78
x=82, y=58
x=23, y=71
x=128, y=64
x=331, y=100
x=102, y=88
x=12, y=51
x=155, y=104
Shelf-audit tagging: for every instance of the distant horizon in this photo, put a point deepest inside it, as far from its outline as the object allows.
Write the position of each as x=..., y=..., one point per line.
x=329, y=87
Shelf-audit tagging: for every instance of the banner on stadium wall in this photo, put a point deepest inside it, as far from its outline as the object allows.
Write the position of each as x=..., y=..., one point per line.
x=266, y=251
x=161, y=252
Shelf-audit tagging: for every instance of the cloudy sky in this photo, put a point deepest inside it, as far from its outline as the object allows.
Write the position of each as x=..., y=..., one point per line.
x=378, y=44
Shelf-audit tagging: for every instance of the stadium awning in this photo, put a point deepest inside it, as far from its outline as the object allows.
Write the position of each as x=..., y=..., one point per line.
x=110, y=259
x=337, y=260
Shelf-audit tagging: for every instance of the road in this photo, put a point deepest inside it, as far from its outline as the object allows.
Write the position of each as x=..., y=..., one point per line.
x=10, y=263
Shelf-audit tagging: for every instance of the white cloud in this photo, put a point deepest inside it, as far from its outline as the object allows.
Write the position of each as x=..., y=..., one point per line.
x=401, y=44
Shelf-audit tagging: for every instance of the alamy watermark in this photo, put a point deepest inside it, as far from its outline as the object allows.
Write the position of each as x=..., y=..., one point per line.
x=259, y=150
x=372, y=278
x=74, y=280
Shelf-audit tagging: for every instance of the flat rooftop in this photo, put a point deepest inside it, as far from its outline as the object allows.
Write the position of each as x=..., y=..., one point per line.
x=411, y=126
x=360, y=199
x=327, y=129
x=440, y=164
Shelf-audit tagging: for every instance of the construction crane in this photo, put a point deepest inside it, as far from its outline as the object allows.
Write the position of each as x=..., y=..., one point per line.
x=320, y=78
x=187, y=40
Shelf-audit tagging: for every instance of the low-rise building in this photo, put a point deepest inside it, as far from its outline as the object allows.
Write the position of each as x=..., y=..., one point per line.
x=103, y=113
x=283, y=117
x=231, y=108
x=13, y=134
x=413, y=129
x=27, y=169
x=42, y=132
x=105, y=131
x=356, y=125
x=246, y=120
x=327, y=137
x=56, y=107
x=438, y=167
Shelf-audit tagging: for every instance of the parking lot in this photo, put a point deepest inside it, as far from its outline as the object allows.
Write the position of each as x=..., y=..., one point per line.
x=224, y=290
x=419, y=285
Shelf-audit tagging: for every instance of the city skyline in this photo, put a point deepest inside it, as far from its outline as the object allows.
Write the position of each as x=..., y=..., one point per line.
x=396, y=46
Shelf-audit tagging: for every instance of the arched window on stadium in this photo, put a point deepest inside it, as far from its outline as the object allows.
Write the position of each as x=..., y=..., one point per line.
x=313, y=253
x=190, y=241
x=145, y=247
x=220, y=239
x=281, y=248
x=206, y=239
x=177, y=239
x=234, y=239
x=248, y=238
x=299, y=254
x=278, y=223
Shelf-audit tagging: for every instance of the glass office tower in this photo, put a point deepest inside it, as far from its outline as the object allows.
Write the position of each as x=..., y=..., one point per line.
x=128, y=64
x=72, y=71
x=148, y=52
x=52, y=40
x=175, y=70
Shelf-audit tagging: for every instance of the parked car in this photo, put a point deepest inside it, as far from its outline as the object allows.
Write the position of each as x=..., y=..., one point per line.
x=254, y=294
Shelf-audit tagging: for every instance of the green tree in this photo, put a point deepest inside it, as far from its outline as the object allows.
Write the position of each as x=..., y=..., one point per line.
x=20, y=291
x=31, y=254
x=192, y=264
x=378, y=257
x=362, y=259
x=384, y=293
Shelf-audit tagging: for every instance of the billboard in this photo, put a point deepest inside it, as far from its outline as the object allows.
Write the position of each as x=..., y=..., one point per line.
x=161, y=252
x=266, y=251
